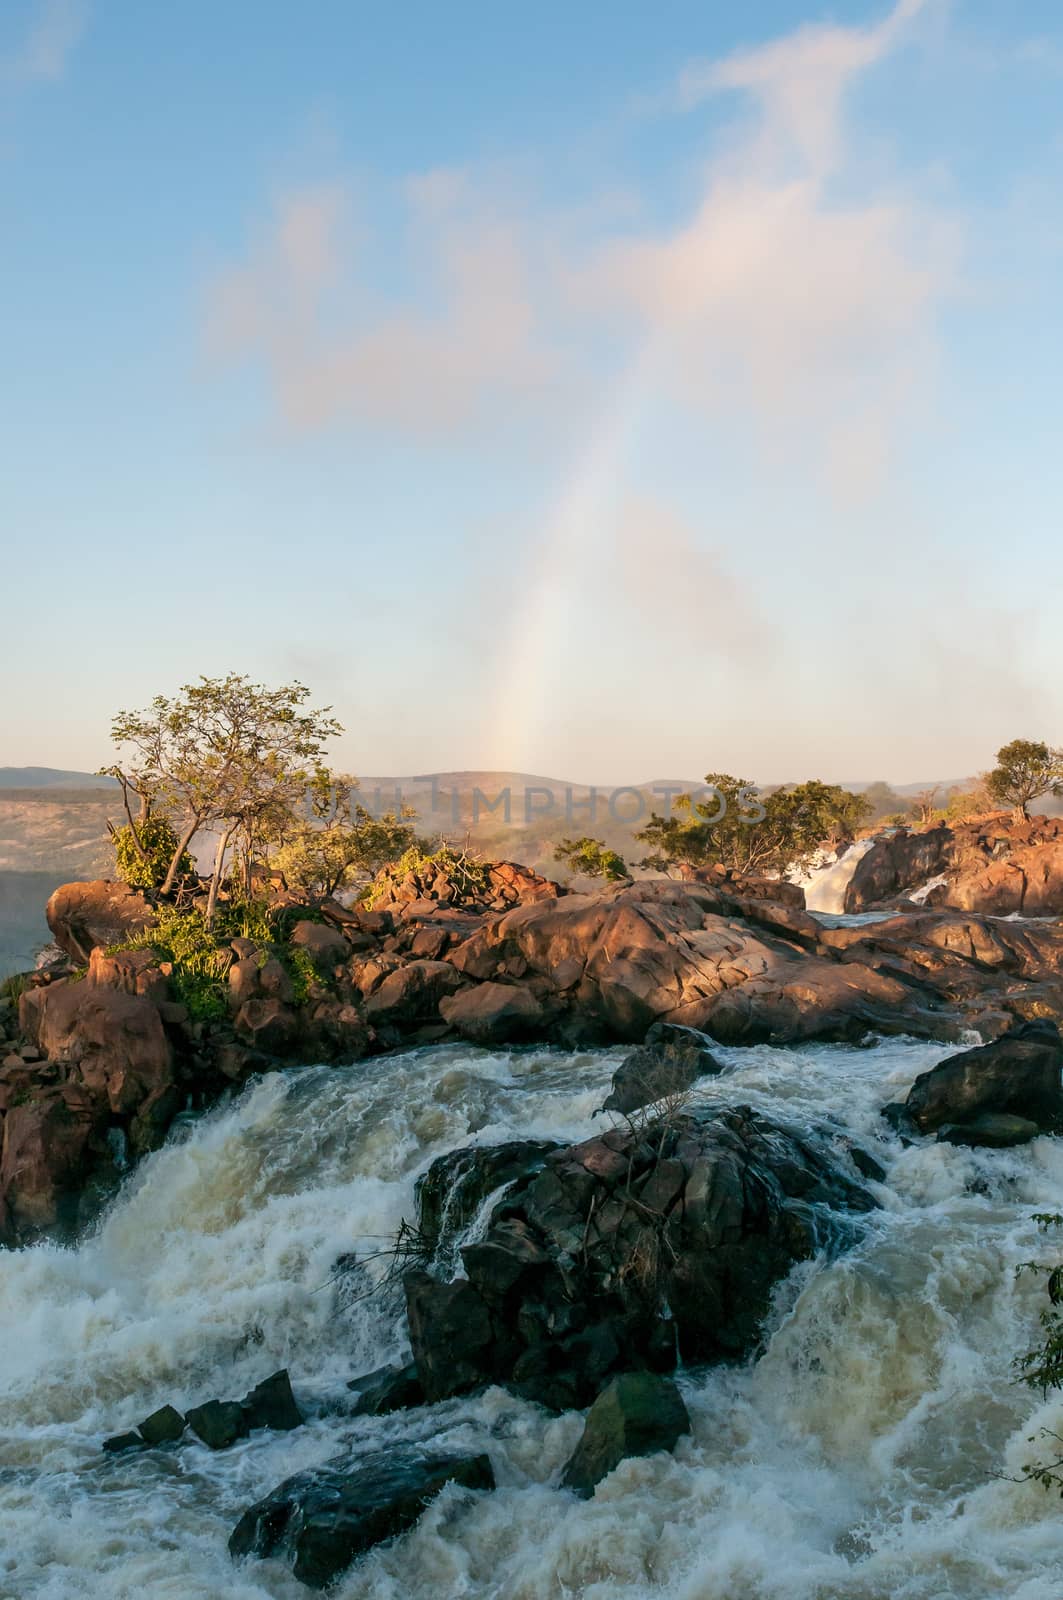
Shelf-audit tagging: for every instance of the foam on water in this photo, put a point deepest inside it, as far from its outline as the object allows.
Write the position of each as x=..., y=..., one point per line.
x=828, y=878
x=859, y=1457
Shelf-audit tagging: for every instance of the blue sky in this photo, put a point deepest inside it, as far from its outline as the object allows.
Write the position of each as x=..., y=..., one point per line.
x=610, y=391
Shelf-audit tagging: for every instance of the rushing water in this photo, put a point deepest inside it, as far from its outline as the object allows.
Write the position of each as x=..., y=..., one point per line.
x=827, y=879
x=858, y=1459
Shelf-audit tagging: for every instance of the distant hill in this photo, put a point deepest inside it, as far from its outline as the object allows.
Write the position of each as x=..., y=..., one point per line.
x=51, y=778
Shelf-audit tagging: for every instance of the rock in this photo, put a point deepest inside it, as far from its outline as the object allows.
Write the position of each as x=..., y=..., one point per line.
x=671, y=1060
x=700, y=1216
x=429, y=944
x=275, y=981
x=388, y=1389
x=994, y=865
x=412, y=993
x=271, y=1404
x=326, y=947
x=120, y=1049
x=84, y=915
x=163, y=1426
x=452, y=1192
x=53, y=1142
x=451, y=1333
x=121, y=1442
x=1019, y=1073
x=269, y=1026
x=321, y=1520
x=638, y=1414
x=243, y=980
x=997, y=1131
x=218, y=1423
x=493, y=1013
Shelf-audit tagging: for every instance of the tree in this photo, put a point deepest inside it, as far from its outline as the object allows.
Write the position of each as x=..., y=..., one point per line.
x=1025, y=770
x=340, y=842
x=882, y=801
x=924, y=804
x=736, y=829
x=592, y=858
x=226, y=754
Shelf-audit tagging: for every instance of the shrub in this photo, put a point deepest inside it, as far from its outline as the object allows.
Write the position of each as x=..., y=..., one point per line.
x=159, y=842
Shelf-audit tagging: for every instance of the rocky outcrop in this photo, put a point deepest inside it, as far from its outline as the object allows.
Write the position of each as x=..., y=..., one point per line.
x=996, y=866
x=638, y=1414
x=217, y=1423
x=84, y=915
x=630, y=1250
x=1019, y=1075
x=321, y=1520
x=494, y=1013
x=671, y=1060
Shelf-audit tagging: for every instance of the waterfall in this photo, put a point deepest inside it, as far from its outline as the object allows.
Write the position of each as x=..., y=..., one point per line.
x=859, y=1458
x=826, y=881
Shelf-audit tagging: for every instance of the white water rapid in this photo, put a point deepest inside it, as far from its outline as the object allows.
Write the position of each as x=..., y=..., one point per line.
x=857, y=1459
x=826, y=880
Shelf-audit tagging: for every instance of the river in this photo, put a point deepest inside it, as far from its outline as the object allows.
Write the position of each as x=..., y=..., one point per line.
x=860, y=1456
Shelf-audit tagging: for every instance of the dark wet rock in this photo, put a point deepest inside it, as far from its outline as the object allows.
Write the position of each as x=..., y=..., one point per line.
x=452, y=1191
x=163, y=1426
x=494, y=1013
x=632, y=1249
x=269, y=1025
x=271, y=1404
x=1017, y=1074
x=671, y=1060
x=451, y=1332
x=121, y=1442
x=991, y=1131
x=637, y=1414
x=218, y=1423
x=864, y=1162
x=388, y=1389
x=321, y=1520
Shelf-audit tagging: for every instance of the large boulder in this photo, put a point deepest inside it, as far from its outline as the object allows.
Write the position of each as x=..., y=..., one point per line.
x=84, y=915
x=493, y=1013
x=412, y=993
x=638, y=1414
x=117, y=1046
x=630, y=1250
x=322, y=1519
x=54, y=1140
x=671, y=1060
x=1018, y=1074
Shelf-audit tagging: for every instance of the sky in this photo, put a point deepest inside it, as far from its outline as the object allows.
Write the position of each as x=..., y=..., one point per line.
x=607, y=391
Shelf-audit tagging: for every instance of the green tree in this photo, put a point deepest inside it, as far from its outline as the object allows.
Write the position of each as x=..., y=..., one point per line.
x=226, y=754
x=747, y=833
x=1025, y=770
x=340, y=842
x=592, y=858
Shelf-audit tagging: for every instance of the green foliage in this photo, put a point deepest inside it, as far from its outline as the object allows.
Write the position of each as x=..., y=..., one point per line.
x=302, y=972
x=200, y=962
x=749, y=832
x=159, y=842
x=224, y=753
x=14, y=987
x=340, y=842
x=592, y=858
x=468, y=873
x=1025, y=770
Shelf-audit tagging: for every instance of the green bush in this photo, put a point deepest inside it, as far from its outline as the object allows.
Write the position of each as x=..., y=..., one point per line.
x=469, y=874
x=159, y=842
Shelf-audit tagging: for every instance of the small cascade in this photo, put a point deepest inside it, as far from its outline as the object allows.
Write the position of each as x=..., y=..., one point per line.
x=826, y=881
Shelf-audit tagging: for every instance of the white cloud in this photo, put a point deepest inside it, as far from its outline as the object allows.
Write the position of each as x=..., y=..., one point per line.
x=799, y=294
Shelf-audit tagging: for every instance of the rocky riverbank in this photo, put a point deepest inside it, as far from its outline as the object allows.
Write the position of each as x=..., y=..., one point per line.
x=104, y=1054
